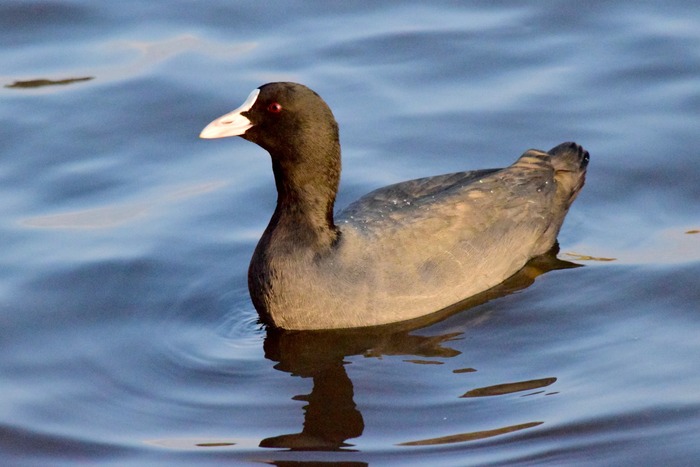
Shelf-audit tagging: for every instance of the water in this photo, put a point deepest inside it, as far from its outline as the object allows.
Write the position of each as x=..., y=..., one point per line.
x=128, y=337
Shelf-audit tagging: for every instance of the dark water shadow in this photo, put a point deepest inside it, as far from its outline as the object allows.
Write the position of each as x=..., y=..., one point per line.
x=472, y=436
x=510, y=388
x=41, y=82
x=331, y=416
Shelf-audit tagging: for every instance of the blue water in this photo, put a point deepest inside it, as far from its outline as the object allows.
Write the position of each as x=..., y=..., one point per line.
x=127, y=334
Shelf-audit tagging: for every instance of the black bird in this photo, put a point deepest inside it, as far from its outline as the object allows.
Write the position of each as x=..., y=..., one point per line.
x=399, y=252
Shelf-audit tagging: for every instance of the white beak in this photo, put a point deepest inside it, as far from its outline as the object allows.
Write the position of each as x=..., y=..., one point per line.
x=233, y=123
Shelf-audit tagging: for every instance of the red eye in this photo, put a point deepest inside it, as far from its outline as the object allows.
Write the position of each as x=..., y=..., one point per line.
x=274, y=108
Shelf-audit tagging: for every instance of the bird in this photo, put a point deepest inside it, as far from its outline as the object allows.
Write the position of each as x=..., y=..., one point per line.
x=402, y=251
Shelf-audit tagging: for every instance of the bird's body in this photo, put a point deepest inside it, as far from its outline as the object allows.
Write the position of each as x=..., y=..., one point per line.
x=399, y=252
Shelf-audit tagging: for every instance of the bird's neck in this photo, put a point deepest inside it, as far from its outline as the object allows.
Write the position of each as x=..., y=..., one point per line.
x=306, y=191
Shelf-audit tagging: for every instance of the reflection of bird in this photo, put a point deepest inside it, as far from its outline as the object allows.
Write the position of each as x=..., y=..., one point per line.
x=331, y=417
x=401, y=251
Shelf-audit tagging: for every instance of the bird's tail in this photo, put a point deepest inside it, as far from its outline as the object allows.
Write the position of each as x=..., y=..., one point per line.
x=569, y=161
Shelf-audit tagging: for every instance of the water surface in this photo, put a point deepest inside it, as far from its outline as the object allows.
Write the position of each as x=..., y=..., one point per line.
x=128, y=337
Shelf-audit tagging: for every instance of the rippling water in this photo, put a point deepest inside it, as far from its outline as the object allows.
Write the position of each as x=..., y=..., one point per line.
x=127, y=334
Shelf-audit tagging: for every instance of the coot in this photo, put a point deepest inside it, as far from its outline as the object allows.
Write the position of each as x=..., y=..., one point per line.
x=399, y=252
